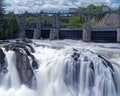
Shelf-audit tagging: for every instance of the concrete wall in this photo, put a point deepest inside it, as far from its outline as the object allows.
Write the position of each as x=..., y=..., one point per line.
x=54, y=34
x=104, y=36
x=78, y=34
x=75, y=34
x=87, y=34
x=45, y=33
x=29, y=33
x=37, y=34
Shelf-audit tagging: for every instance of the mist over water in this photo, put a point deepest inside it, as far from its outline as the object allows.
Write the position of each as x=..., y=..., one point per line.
x=67, y=68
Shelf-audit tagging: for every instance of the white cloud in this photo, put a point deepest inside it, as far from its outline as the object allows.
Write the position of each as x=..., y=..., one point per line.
x=35, y=5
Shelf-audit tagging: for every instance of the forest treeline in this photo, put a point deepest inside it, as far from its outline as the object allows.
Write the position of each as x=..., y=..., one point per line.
x=10, y=24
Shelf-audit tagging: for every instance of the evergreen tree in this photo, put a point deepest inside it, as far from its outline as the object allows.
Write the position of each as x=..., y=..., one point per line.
x=1, y=10
x=12, y=26
x=1, y=18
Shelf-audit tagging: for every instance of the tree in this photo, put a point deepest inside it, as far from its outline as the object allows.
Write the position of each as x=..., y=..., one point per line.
x=1, y=9
x=91, y=7
x=46, y=21
x=75, y=21
x=1, y=19
x=63, y=21
x=12, y=26
x=31, y=22
x=9, y=26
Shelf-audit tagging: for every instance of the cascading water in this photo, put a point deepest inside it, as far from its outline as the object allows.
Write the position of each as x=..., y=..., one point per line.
x=65, y=69
x=12, y=71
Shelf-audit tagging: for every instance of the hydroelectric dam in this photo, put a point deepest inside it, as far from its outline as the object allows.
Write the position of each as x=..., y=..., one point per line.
x=55, y=32
x=56, y=62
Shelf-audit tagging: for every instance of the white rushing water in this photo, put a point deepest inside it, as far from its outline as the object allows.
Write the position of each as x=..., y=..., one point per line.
x=68, y=68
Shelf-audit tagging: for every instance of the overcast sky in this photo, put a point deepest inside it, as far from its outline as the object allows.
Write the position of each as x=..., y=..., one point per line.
x=38, y=5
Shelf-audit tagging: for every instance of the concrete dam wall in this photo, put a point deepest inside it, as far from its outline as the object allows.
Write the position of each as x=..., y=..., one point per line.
x=77, y=34
x=104, y=36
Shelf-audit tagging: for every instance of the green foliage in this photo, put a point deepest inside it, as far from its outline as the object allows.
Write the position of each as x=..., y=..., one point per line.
x=1, y=18
x=75, y=21
x=31, y=22
x=119, y=8
x=46, y=21
x=11, y=26
x=63, y=22
x=94, y=8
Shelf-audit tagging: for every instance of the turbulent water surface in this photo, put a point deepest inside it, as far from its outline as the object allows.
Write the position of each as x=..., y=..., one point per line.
x=67, y=68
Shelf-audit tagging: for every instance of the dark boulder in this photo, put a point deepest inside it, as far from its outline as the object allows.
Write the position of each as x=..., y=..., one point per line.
x=106, y=63
x=4, y=41
x=75, y=56
x=27, y=40
x=35, y=65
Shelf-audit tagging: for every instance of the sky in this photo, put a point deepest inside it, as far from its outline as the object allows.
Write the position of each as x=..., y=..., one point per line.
x=19, y=6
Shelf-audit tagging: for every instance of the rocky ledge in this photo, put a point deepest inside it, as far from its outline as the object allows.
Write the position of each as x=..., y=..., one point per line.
x=26, y=62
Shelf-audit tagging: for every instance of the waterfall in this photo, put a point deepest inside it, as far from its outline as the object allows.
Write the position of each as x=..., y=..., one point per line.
x=62, y=70
x=12, y=71
x=11, y=79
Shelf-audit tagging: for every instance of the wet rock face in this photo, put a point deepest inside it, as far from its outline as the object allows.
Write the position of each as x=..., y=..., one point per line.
x=19, y=44
x=24, y=68
x=26, y=62
x=2, y=56
x=3, y=65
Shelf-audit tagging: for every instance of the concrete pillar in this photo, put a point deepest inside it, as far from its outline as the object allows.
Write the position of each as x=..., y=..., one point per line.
x=37, y=34
x=118, y=28
x=54, y=34
x=118, y=35
x=55, y=20
x=37, y=31
x=22, y=26
x=22, y=34
x=87, y=34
